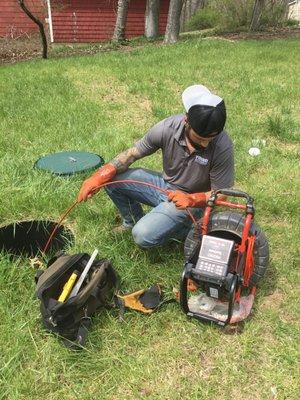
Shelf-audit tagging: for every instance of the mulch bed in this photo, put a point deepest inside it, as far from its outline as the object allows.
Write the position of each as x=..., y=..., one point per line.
x=24, y=47
x=27, y=47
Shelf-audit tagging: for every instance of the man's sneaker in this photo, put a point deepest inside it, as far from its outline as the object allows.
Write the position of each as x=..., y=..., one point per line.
x=121, y=229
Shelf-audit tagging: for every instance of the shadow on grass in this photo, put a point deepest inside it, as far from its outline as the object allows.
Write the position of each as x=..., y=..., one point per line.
x=171, y=250
x=269, y=282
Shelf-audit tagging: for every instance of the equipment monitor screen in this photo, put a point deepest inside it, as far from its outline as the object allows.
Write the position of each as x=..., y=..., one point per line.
x=216, y=249
x=214, y=256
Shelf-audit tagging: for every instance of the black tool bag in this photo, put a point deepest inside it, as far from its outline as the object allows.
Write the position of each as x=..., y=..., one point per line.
x=72, y=318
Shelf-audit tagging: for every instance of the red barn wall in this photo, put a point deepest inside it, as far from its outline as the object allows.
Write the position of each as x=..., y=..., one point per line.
x=77, y=20
x=13, y=20
x=94, y=20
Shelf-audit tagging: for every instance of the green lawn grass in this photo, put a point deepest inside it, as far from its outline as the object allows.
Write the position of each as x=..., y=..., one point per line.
x=103, y=103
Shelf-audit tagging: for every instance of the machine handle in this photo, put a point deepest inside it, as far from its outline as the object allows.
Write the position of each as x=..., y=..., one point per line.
x=234, y=193
x=213, y=200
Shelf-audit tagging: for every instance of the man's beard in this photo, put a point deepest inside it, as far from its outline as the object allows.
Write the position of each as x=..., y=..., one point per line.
x=194, y=144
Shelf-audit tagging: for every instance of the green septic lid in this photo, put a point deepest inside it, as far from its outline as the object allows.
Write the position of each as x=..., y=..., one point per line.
x=69, y=162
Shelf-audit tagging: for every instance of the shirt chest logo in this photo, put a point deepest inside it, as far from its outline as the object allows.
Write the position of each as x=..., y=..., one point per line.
x=201, y=160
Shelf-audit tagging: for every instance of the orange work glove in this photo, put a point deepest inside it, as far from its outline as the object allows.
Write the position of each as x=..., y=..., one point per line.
x=91, y=185
x=184, y=200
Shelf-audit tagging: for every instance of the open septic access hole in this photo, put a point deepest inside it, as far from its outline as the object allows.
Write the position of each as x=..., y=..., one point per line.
x=28, y=238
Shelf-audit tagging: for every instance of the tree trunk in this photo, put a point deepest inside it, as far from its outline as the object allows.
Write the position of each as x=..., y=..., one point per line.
x=119, y=31
x=256, y=15
x=287, y=8
x=151, y=19
x=173, y=22
x=39, y=24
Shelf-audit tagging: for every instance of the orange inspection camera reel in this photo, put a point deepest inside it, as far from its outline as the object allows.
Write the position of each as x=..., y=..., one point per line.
x=226, y=254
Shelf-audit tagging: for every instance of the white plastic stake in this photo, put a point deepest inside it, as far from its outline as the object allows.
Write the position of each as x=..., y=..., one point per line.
x=50, y=21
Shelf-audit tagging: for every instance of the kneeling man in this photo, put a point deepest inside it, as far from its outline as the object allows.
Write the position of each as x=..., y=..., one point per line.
x=197, y=158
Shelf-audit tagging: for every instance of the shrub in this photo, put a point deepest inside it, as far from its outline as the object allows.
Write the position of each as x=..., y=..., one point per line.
x=233, y=15
x=222, y=14
x=274, y=14
x=203, y=19
x=291, y=22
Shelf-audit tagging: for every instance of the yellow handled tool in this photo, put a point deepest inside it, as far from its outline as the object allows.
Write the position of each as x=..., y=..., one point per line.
x=68, y=286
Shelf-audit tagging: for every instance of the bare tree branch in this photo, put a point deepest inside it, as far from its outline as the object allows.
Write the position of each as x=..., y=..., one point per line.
x=40, y=25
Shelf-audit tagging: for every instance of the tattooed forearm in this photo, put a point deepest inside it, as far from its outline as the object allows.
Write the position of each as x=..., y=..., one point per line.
x=125, y=159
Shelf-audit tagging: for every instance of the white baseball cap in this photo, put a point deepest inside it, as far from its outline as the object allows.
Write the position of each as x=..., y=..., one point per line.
x=199, y=95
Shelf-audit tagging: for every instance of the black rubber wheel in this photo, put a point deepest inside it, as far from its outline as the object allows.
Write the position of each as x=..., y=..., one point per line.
x=229, y=225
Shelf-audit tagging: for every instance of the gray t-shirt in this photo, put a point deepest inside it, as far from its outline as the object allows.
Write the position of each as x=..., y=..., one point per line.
x=210, y=168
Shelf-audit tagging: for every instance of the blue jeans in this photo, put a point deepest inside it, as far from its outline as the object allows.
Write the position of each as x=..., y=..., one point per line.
x=163, y=222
